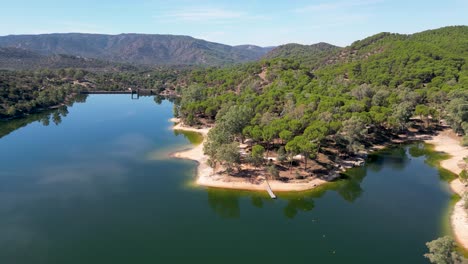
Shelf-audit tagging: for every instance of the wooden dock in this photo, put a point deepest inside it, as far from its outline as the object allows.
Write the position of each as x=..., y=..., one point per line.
x=270, y=192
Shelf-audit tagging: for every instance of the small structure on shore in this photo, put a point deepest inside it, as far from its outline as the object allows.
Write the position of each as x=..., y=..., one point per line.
x=270, y=192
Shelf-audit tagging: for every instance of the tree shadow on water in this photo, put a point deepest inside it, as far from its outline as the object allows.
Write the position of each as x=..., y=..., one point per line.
x=296, y=205
x=224, y=203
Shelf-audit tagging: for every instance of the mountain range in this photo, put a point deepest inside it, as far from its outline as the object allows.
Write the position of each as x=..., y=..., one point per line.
x=143, y=49
x=127, y=51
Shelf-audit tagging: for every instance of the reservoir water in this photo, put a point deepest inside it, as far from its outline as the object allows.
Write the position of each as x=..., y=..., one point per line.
x=93, y=184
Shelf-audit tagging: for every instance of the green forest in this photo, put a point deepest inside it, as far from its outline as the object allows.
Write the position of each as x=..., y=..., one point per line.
x=367, y=93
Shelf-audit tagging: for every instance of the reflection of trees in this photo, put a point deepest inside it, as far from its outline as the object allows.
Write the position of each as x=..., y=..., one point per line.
x=298, y=204
x=79, y=98
x=44, y=117
x=45, y=120
x=63, y=111
x=395, y=157
x=56, y=118
x=417, y=150
x=158, y=99
x=257, y=201
x=224, y=203
x=6, y=127
x=193, y=137
x=351, y=189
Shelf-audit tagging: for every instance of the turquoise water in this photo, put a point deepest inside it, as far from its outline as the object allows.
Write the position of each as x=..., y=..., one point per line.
x=97, y=187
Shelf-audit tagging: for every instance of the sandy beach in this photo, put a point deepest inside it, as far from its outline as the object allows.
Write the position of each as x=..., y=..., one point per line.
x=207, y=177
x=446, y=141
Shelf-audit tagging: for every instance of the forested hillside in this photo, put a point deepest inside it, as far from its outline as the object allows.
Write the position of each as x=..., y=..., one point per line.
x=366, y=93
x=309, y=55
x=21, y=59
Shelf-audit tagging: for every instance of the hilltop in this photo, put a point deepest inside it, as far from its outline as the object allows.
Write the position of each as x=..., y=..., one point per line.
x=311, y=55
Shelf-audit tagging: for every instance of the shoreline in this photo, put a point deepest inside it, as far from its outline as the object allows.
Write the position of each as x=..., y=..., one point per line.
x=445, y=141
x=208, y=178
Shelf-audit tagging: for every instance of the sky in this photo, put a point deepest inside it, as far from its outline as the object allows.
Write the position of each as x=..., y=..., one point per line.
x=235, y=22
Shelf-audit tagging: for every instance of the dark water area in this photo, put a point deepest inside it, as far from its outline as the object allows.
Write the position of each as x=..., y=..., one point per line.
x=96, y=186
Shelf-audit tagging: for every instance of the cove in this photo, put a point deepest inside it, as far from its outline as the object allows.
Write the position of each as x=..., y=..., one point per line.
x=95, y=186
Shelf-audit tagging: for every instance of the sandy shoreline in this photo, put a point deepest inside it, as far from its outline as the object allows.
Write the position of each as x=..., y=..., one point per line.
x=207, y=177
x=448, y=143
x=445, y=141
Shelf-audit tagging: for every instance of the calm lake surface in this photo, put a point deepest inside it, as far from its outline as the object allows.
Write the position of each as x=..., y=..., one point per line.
x=98, y=188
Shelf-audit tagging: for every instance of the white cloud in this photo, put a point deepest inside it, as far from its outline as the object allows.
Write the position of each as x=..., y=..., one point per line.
x=336, y=5
x=204, y=14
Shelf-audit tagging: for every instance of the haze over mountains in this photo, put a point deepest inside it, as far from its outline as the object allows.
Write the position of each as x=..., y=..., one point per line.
x=132, y=48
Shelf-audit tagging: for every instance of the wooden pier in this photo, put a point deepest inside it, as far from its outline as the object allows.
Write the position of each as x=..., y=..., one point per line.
x=270, y=192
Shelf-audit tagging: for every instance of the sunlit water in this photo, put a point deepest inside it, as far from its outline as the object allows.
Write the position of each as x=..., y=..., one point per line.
x=99, y=188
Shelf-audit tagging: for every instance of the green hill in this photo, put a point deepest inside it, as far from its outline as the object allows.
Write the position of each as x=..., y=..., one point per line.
x=21, y=59
x=311, y=55
x=366, y=93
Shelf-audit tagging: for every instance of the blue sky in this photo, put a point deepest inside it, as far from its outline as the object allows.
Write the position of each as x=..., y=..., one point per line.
x=264, y=23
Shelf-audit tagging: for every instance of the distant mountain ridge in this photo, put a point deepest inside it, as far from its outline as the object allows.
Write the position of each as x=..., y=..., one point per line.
x=307, y=54
x=151, y=49
x=21, y=59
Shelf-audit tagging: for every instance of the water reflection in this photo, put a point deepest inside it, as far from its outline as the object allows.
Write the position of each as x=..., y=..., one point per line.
x=44, y=117
x=350, y=187
x=224, y=203
x=395, y=157
x=296, y=205
x=193, y=137
x=56, y=115
x=257, y=201
x=417, y=150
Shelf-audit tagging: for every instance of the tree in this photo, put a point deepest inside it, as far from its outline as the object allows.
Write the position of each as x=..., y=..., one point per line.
x=423, y=112
x=11, y=111
x=273, y=171
x=353, y=131
x=400, y=116
x=268, y=134
x=285, y=135
x=457, y=113
x=442, y=251
x=316, y=132
x=293, y=148
x=217, y=137
x=281, y=154
x=464, y=176
x=235, y=119
x=300, y=144
x=256, y=133
x=229, y=156
x=256, y=157
x=79, y=74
